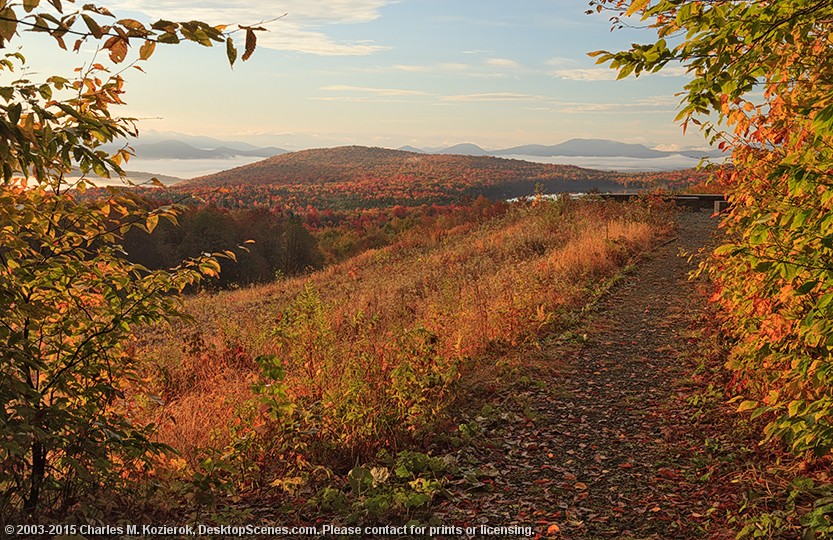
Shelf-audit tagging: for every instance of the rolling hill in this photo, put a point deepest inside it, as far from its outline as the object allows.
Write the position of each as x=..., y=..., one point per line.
x=362, y=177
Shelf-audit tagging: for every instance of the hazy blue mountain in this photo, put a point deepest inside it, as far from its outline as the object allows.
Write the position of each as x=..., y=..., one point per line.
x=176, y=149
x=265, y=152
x=137, y=177
x=413, y=149
x=170, y=149
x=464, y=149
x=574, y=147
x=587, y=147
x=197, y=141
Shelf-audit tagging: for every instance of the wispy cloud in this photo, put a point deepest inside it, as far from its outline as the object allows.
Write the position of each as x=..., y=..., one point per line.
x=607, y=74
x=494, y=68
x=503, y=63
x=435, y=68
x=652, y=104
x=558, y=61
x=373, y=91
x=409, y=69
x=494, y=96
x=585, y=74
x=302, y=28
x=673, y=71
x=358, y=99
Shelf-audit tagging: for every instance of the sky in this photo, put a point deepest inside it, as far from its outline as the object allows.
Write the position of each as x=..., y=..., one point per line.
x=425, y=73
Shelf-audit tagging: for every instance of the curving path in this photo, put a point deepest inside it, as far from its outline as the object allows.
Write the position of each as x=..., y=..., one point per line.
x=608, y=444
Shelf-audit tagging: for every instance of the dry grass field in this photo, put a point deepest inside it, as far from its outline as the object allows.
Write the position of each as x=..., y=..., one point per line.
x=365, y=354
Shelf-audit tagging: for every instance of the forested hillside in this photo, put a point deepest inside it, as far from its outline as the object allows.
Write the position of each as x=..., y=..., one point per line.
x=360, y=177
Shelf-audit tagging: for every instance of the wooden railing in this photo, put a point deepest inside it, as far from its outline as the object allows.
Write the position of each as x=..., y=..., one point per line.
x=704, y=201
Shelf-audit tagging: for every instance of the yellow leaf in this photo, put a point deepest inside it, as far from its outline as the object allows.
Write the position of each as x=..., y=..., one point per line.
x=147, y=49
x=635, y=6
x=152, y=221
x=747, y=405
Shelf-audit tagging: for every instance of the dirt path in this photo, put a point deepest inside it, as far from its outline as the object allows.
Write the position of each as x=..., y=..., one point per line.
x=607, y=445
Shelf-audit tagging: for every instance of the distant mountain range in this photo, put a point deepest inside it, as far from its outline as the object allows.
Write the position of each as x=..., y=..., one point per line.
x=173, y=149
x=180, y=146
x=573, y=147
x=138, y=178
x=207, y=149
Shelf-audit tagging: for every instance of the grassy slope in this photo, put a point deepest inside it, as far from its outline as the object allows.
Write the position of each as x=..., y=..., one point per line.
x=373, y=346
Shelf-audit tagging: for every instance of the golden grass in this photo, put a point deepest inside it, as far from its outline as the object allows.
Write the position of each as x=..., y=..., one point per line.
x=372, y=346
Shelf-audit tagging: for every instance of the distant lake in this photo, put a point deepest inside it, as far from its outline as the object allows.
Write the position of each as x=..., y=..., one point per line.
x=180, y=168
x=624, y=164
x=188, y=168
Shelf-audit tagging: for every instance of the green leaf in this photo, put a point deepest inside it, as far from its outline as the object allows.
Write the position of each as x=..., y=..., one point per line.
x=93, y=26
x=747, y=405
x=14, y=112
x=804, y=288
x=45, y=91
x=823, y=121
x=100, y=169
x=231, y=51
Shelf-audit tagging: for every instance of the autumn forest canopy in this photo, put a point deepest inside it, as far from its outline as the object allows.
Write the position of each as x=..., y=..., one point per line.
x=370, y=288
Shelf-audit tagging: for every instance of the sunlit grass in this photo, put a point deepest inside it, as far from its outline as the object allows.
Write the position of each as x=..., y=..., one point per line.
x=372, y=347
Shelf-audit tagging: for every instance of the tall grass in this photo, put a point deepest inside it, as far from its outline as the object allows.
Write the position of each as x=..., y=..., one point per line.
x=364, y=354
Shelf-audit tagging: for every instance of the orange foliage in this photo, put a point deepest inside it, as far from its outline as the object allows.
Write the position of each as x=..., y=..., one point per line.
x=373, y=346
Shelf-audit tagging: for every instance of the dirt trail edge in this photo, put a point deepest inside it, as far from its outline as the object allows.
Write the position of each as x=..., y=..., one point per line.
x=602, y=447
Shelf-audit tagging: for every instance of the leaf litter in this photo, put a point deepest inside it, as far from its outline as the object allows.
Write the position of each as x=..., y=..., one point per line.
x=607, y=444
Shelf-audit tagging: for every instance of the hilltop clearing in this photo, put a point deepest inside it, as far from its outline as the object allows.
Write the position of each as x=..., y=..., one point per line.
x=299, y=380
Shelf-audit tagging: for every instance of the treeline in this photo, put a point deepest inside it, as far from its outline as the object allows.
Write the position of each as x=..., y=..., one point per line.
x=272, y=243
x=282, y=244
